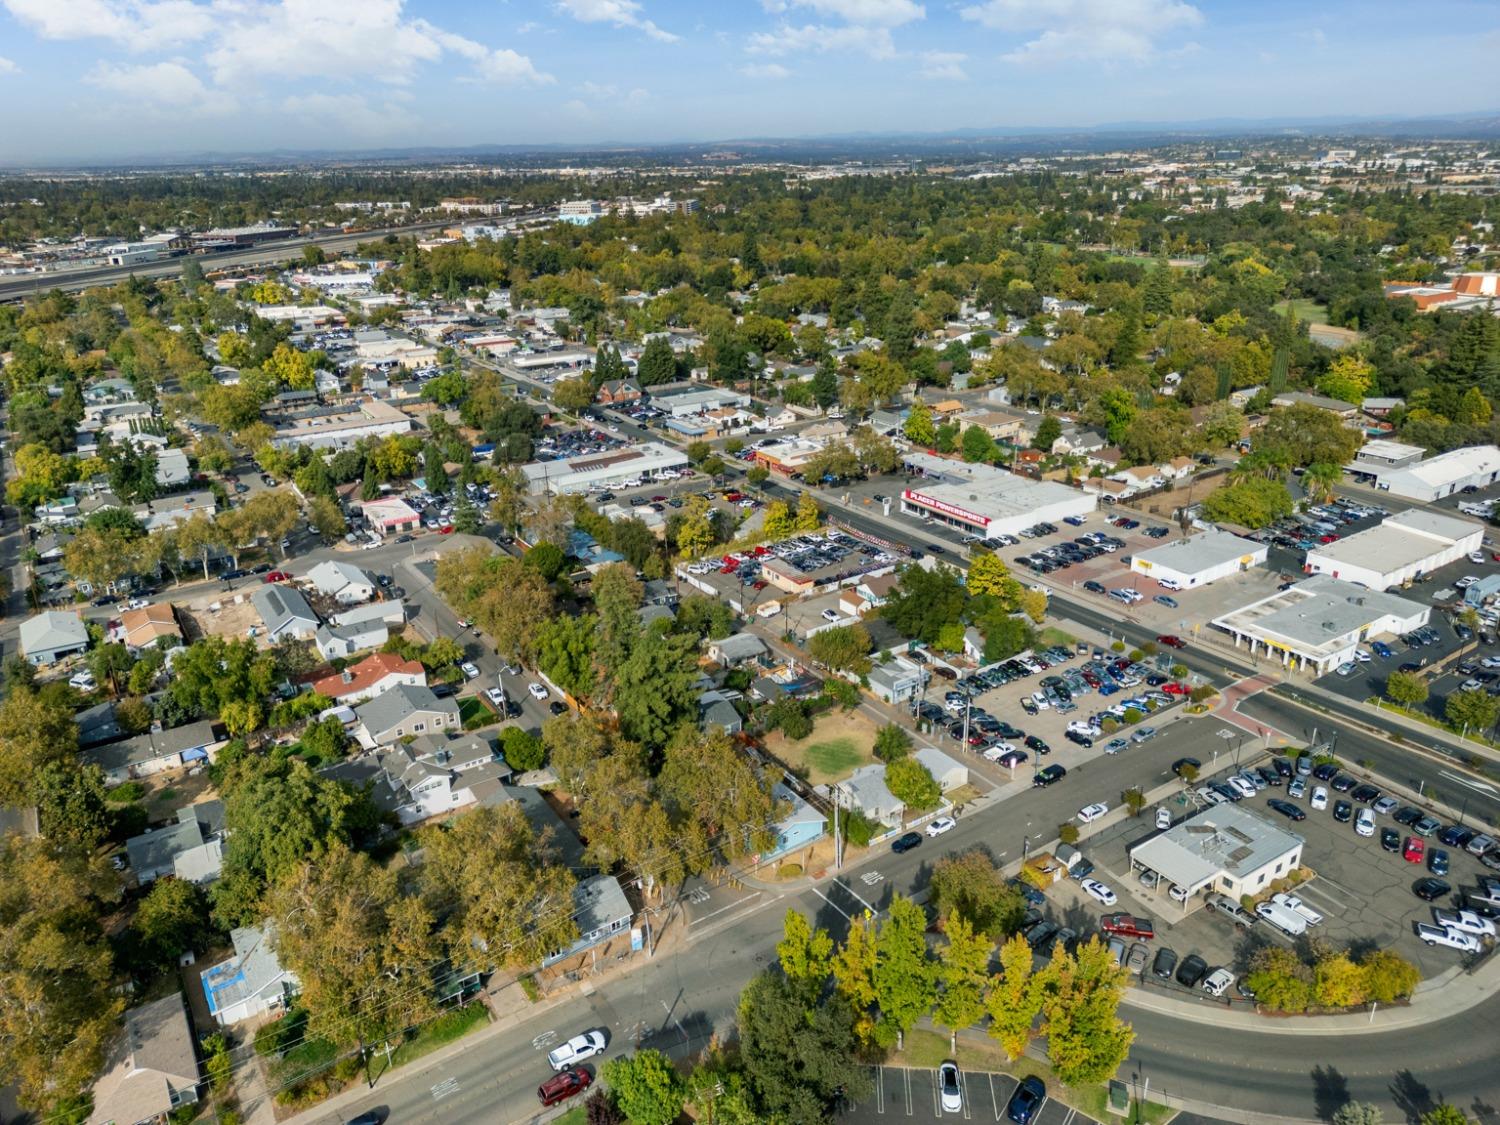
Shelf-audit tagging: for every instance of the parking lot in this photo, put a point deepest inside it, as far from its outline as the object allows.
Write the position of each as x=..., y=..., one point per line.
x=822, y=558
x=906, y=1092
x=1363, y=892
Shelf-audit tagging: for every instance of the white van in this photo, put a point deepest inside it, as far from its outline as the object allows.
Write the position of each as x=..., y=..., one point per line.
x=1284, y=919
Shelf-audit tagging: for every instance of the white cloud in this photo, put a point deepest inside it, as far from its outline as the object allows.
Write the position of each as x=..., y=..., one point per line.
x=770, y=71
x=167, y=86
x=136, y=25
x=350, y=114
x=1087, y=30
x=943, y=66
x=621, y=13
x=8, y=67
x=876, y=42
x=876, y=13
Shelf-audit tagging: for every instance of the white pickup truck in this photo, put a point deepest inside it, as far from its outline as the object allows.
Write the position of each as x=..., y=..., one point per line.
x=1297, y=906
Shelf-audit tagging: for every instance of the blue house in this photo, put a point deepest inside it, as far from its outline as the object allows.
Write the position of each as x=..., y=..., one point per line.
x=799, y=828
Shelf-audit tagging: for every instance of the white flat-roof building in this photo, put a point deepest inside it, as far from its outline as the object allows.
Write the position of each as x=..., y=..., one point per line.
x=1384, y=455
x=985, y=500
x=1318, y=623
x=680, y=404
x=341, y=427
x=1403, y=547
x=642, y=461
x=1225, y=848
x=1199, y=559
x=1472, y=466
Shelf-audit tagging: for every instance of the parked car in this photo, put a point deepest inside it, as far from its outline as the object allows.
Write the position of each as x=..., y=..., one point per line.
x=1128, y=925
x=1028, y=1098
x=1165, y=962
x=1099, y=892
x=906, y=843
x=1192, y=970
x=1090, y=813
x=948, y=1087
x=940, y=825
x=576, y=1049
x=1287, y=809
x=564, y=1085
x=1453, y=939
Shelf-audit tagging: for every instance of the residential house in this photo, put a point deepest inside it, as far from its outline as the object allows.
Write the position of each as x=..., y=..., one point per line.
x=613, y=391
x=1077, y=440
x=600, y=910
x=141, y=628
x=335, y=642
x=1139, y=478
x=1178, y=468
x=344, y=582
x=375, y=675
x=864, y=791
x=947, y=772
x=1002, y=425
x=405, y=709
x=157, y=751
x=285, y=612
x=802, y=825
x=172, y=468
x=98, y=724
x=737, y=649
x=716, y=709
x=897, y=680
x=252, y=982
x=152, y=1068
x=876, y=588
x=391, y=612
x=53, y=635
x=189, y=849
x=1348, y=411
x=427, y=777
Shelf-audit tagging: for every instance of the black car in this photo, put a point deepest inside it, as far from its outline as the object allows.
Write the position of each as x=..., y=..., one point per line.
x=1035, y=744
x=1048, y=776
x=1268, y=775
x=1437, y=861
x=1365, y=794
x=1390, y=839
x=1032, y=896
x=1325, y=772
x=1283, y=766
x=557, y=707
x=1287, y=809
x=1192, y=970
x=1038, y=936
x=403, y=539
x=1080, y=739
x=107, y=599
x=231, y=574
x=1023, y=1104
x=1228, y=792
x=260, y=568
x=1407, y=815
x=1181, y=763
x=1005, y=730
x=1342, y=784
x=1430, y=889
x=1094, y=587
x=1343, y=811
x=1456, y=836
x=1165, y=962
x=907, y=842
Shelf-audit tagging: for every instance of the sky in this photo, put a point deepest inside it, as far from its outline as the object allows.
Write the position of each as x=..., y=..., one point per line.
x=99, y=80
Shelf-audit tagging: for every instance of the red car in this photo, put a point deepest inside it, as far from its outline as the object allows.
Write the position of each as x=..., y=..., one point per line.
x=278, y=576
x=1328, y=539
x=1413, y=850
x=1175, y=689
x=564, y=1085
x=1171, y=641
x=1127, y=925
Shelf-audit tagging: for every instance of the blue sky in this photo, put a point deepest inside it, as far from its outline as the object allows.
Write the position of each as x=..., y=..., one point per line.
x=105, y=79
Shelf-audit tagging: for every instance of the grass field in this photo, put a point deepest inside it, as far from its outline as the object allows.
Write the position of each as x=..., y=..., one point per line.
x=839, y=743
x=475, y=712
x=1307, y=310
x=1052, y=635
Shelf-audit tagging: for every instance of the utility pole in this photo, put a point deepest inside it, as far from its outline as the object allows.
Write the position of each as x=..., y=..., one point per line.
x=837, y=848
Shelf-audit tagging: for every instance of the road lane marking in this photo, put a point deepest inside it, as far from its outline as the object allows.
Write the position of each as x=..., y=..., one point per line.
x=830, y=902
x=732, y=906
x=1478, y=786
x=870, y=878
x=545, y=1039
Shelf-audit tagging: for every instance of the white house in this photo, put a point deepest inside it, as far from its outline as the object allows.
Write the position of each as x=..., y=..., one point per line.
x=346, y=583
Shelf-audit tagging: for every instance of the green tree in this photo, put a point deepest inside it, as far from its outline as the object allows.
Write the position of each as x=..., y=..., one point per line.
x=911, y=783
x=965, y=961
x=1086, y=1039
x=1015, y=998
x=971, y=887
x=905, y=976
x=171, y=920
x=1474, y=710
x=573, y=395
x=1280, y=981
x=918, y=427
x=977, y=445
x=1320, y=480
x=806, y=957
x=924, y=601
x=646, y=1086
x=1358, y=1113
x=1252, y=502
x=657, y=363
x=1048, y=430
x=844, y=648
x=1408, y=689
x=797, y=1062
x=652, y=688
x=892, y=742
x=522, y=750
x=1444, y=1114
x=565, y=652
x=1389, y=977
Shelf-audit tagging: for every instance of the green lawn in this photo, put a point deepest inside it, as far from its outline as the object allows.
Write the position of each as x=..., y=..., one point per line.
x=441, y=1031
x=1307, y=310
x=475, y=712
x=1052, y=635
x=575, y=1116
x=835, y=756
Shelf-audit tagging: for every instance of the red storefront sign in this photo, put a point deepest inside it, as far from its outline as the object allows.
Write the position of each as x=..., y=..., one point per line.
x=947, y=509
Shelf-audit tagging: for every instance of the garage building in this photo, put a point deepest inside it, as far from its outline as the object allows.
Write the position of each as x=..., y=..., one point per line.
x=1225, y=848
x=1318, y=623
x=984, y=500
x=1404, y=547
x=1200, y=559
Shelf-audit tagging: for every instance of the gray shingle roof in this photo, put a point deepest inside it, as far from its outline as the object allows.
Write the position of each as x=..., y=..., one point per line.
x=392, y=708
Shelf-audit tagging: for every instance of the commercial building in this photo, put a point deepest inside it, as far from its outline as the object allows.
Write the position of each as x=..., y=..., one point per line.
x=681, y=404
x=339, y=427
x=611, y=469
x=1402, y=548
x=987, y=501
x=1474, y=466
x=230, y=238
x=1199, y=559
x=1225, y=848
x=1318, y=623
x=390, y=517
x=1384, y=455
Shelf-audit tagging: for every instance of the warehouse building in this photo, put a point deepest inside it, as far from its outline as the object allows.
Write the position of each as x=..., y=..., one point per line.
x=615, y=468
x=984, y=500
x=339, y=427
x=1199, y=559
x=1404, y=547
x=1474, y=466
x=1318, y=623
x=1225, y=848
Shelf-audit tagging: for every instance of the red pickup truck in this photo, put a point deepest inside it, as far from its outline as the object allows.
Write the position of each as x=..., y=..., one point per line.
x=1127, y=925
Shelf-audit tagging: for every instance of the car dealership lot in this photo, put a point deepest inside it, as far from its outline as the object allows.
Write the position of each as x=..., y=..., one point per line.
x=1363, y=892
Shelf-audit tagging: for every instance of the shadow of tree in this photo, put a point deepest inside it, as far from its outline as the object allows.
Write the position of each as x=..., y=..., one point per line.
x=1412, y=1096
x=1330, y=1091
